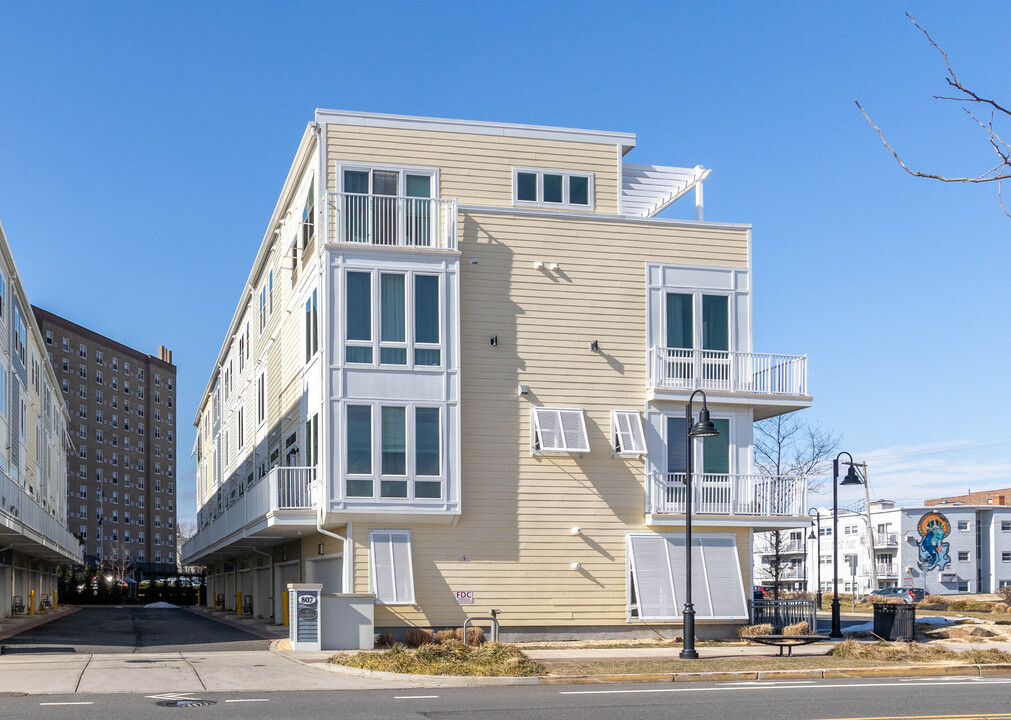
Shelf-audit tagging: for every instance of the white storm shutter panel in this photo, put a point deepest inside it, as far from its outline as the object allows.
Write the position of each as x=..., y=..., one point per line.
x=651, y=574
x=559, y=430
x=627, y=435
x=392, y=571
x=723, y=575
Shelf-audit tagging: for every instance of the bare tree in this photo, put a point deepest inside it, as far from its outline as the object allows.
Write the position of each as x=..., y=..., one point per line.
x=963, y=94
x=185, y=529
x=785, y=445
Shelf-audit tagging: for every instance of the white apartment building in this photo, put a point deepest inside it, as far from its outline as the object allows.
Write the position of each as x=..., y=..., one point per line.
x=943, y=549
x=34, y=539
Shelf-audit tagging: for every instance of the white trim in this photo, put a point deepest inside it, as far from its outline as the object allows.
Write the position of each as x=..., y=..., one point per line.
x=630, y=219
x=410, y=566
x=566, y=175
x=626, y=141
x=536, y=432
x=638, y=443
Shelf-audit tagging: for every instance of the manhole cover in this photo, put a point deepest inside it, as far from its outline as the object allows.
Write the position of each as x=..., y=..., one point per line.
x=187, y=703
x=12, y=694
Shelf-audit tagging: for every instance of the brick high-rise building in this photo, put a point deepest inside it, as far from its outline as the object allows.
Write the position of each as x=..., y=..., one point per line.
x=121, y=469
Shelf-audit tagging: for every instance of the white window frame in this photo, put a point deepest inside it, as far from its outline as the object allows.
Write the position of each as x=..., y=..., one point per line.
x=1005, y=556
x=631, y=440
x=410, y=567
x=698, y=449
x=537, y=438
x=566, y=174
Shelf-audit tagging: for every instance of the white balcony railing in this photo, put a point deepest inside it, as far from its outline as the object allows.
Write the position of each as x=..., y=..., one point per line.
x=25, y=510
x=886, y=539
x=888, y=569
x=393, y=221
x=766, y=546
x=284, y=488
x=723, y=371
x=720, y=494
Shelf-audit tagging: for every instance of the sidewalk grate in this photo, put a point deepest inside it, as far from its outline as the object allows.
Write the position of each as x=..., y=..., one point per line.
x=187, y=703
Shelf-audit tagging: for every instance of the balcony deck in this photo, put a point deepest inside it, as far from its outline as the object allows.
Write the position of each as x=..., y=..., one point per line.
x=774, y=383
x=29, y=527
x=391, y=221
x=287, y=496
x=759, y=501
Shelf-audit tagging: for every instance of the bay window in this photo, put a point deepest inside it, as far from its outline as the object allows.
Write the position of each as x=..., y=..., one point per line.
x=403, y=442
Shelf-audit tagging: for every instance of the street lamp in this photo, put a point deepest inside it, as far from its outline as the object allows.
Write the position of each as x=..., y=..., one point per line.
x=851, y=479
x=817, y=539
x=703, y=428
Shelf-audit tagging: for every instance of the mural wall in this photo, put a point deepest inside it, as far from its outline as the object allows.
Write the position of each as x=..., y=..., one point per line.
x=933, y=551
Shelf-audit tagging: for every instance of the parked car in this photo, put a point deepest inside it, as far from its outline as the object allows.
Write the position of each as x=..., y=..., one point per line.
x=761, y=593
x=906, y=594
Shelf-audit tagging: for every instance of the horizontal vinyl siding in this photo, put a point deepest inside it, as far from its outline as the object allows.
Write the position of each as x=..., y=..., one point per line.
x=518, y=510
x=476, y=169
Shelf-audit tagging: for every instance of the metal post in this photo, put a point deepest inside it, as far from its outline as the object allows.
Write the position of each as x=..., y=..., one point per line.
x=836, y=631
x=818, y=550
x=688, y=651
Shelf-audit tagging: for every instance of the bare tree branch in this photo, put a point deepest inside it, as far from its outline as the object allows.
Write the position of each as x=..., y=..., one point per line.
x=998, y=173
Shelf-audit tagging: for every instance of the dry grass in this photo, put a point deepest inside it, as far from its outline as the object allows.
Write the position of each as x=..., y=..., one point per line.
x=800, y=628
x=416, y=637
x=450, y=657
x=884, y=600
x=762, y=629
x=383, y=640
x=893, y=652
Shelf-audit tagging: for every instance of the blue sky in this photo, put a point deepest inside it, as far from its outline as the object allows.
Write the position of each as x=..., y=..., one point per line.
x=142, y=149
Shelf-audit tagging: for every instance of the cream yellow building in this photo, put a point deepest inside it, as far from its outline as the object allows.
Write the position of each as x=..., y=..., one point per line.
x=34, y=539
x=457, y=376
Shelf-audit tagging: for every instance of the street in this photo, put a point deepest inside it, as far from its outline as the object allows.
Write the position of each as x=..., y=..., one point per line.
x=934, y=698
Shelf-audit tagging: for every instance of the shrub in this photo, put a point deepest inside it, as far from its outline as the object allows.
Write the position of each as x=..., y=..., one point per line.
x=383, y=640
x=800, y=628
x=970, y=606
x=451, y=657
x=762, y=629
x=475, y=635
x=444, y=635
x=1005, y=594
x=985, y=656
x=1001, y=607
x=941, y=600
x=904, y=652
x=416, y=637
x=885, y=600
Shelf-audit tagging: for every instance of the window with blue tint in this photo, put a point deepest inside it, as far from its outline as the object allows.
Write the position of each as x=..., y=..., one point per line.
x=393, y=320
x=358, y=309
x=676, y=459
x=579, y=190
x=716, y=450
x=715, y=322
x=427, y=442
x=426, y=319
x=553, y=188
x=394, y=451
x=311, y=327
x=526, y=186
x=680, y=327
x=359, y=438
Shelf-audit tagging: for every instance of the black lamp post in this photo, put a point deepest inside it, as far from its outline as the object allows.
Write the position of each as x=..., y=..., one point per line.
x=703, y=428
x=817, y=539
x=851, y=479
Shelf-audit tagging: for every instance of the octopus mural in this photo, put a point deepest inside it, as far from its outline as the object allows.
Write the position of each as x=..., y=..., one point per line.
x=933, y=527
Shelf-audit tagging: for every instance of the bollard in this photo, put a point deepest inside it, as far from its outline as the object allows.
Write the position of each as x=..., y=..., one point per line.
x=284, y=608
x=238, y=602
x=31, y=602
x=56, y=597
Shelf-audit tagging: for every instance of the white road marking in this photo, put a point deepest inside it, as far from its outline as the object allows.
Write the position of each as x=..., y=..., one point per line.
x=172, y=696
x=770, y=686
x=414, y=697
x=249, y=700
x=67, y=703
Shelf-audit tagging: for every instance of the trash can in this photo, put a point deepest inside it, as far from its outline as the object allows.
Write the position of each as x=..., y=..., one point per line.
x=895, y=622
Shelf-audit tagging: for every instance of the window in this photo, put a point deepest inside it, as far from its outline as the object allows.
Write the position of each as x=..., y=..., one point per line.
x=261, y=398
x=963, y=556
x=697, y=322
x=157, y=378
x=409, y=332
x=20, y=337
x=66, y=365
x=270, y=302
x=552, y=188
x=963, y=525
x=391, y=573
x=1005, y=525
x=66, y=345
x=49, y=335
x=716, y=451
x=99, y=358
x=398, y=213
x=1005, y=556
x=312, y=441
x=557, y=430
x=311, y=327
x=627, y=438
x=657, y=585
x=82, y=351
x=358, y=304
x=309, y=216
x=963, y=586
x=241, y=429
x=115, y=364
x=263, y=308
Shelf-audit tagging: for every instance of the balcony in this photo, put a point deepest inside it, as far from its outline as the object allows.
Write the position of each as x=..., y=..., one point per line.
x=766, y=547
x=286, y=496
x=734, y=495
x=886, y=539
x=28, y=526
x=888, y=570
x=391, y=221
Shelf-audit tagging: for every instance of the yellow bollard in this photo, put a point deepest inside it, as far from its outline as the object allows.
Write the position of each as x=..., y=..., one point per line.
x=214, y=601
x=56, y=597
x=284, y=608
x=238, y=602
x=31, y=602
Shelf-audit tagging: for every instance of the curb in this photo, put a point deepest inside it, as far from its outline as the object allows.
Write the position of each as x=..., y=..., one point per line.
x=42, y=620
x=750, y=675
x=262, y=634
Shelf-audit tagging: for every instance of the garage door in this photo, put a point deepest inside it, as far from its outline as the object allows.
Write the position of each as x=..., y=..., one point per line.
x=327, y=572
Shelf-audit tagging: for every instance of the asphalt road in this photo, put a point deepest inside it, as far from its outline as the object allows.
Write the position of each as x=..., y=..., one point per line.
x=934, y=698
x=129, y=629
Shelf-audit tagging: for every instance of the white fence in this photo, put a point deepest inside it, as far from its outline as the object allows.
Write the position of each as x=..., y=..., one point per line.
x=719, y=370
x=764, y=495
x=23, y=509
x=393, y=220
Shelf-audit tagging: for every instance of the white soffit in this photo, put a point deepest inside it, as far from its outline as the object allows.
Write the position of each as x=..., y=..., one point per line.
x=648, y=189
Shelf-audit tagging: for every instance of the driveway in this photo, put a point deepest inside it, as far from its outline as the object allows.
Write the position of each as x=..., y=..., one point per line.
x=104, y=630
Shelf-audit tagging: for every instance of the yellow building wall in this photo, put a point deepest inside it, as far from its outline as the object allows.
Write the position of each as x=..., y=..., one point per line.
x=476, y=169
x=513, y=544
